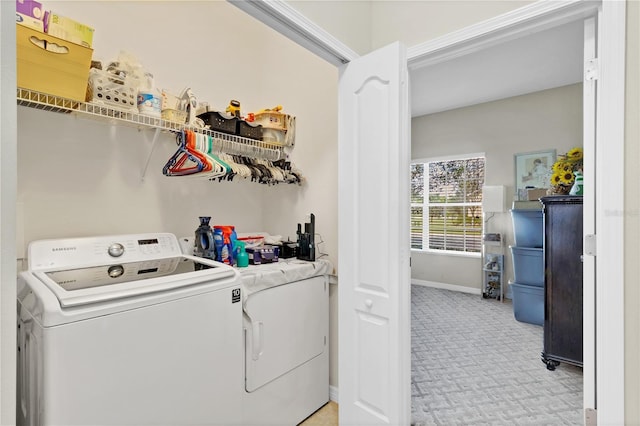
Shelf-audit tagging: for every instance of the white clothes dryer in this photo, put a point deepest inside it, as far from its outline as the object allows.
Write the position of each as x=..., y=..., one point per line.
x=127, y=330
x=286, y=321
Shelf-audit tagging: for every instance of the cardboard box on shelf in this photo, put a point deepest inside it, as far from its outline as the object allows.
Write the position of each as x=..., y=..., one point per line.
x=30, y=8
x=68, y=29
x=29, y=21
x=51, y=65
x=534, y=194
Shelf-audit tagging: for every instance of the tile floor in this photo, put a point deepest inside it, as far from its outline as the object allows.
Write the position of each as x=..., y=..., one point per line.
x=325, y=416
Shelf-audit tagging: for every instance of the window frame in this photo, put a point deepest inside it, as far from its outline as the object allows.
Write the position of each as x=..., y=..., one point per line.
x=425, y=204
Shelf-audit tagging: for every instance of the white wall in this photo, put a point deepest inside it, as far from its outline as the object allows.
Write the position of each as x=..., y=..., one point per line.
x=348, y=21
x=414, y=22
x=367, y=25
x=81, y=177
x=94, y=168
x=551, y=119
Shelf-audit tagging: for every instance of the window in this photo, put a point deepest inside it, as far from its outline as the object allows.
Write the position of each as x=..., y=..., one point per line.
x=446, y=204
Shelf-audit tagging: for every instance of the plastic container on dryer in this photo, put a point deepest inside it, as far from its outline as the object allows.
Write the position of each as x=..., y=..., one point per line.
x=204, y=241
x=225, y=238
x=218, y=240
x=242, y=258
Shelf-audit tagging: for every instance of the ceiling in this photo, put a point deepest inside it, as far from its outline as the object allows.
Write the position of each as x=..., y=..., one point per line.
x=539, y=61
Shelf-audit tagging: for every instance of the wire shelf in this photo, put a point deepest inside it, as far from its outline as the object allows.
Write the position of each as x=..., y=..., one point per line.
x=230, y=144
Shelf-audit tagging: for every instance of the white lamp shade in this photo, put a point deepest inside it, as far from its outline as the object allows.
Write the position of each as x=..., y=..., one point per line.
x=493, y=198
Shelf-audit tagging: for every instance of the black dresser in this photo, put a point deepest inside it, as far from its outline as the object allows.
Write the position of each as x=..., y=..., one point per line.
x=562, y=280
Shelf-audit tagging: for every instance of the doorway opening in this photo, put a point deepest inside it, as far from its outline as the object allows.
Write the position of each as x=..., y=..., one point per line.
x=459, y=95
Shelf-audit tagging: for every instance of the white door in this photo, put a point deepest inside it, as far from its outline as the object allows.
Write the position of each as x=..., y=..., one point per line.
x=589, y=144
x=373, y=215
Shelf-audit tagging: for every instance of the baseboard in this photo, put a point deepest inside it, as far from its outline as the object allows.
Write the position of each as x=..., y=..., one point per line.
x=333, y=394
x=508, y=293
x=452, y=287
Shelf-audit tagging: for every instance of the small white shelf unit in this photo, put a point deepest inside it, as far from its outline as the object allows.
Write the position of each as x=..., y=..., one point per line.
x=492, y=267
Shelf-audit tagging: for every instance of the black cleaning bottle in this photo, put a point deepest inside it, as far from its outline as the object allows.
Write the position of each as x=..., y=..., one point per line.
x=205, y=246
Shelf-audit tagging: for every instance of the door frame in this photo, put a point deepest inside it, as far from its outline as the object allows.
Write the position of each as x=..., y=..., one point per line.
x=605, y=207
x=609, y=221
x=8, y=190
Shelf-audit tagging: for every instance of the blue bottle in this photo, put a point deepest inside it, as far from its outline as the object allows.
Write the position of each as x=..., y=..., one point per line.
x=218, y=239
x=234, y=244
x=225, y=242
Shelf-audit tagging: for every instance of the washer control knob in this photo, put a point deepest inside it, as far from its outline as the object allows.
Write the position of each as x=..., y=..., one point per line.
x=115, y=271
x=116, y=250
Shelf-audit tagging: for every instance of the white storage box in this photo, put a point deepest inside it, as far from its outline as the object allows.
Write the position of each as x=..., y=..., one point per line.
x=277, y=128
x=113, y=91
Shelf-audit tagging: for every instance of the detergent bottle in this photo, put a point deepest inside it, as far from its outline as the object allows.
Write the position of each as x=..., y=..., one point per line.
x=218, y=239
x=242, y=258
x=225, y=240
x=234, y=241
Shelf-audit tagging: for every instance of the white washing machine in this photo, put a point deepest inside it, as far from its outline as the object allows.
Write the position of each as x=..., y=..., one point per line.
x=126, y=330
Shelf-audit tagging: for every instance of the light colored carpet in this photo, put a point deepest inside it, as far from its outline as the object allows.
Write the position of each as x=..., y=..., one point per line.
x=473, y=364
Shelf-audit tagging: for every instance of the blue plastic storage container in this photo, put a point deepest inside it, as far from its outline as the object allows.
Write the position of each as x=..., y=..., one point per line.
x=527, y=227
x=528, y=266
x=528, y=303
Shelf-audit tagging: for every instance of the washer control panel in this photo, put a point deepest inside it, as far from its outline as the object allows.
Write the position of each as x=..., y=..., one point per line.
x=72, y=252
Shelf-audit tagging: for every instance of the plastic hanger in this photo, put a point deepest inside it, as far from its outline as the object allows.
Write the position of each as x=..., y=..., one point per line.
x=198, y=145
x=183, y=162
x=222, y=168
x=191, y=146
x=240, y=169
x=202, y=156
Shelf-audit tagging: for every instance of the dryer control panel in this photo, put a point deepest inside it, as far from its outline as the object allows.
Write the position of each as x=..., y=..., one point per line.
x=104, y=250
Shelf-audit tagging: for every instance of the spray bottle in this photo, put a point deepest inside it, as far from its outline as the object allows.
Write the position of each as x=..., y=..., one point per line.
x=225, y=240
x=242, y=258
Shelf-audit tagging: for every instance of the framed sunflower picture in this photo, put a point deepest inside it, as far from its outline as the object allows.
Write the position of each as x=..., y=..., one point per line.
x=533, y=170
